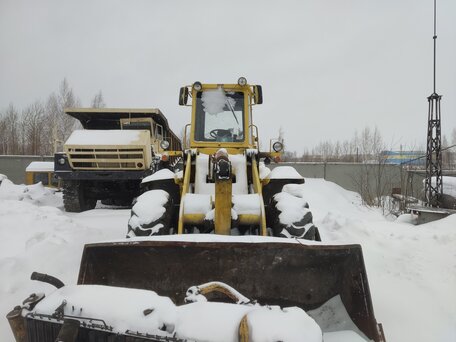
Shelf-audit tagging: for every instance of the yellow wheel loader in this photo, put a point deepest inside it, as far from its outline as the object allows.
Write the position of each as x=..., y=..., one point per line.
x=221, y=250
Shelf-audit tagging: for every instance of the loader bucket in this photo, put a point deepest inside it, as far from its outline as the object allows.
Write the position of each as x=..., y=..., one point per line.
x=273, y=273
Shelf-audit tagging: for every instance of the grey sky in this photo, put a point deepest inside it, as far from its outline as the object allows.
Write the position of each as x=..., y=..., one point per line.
x=327, y=67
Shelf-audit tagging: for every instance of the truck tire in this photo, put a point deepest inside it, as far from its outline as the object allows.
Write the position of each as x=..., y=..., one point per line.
x=75, y=198
x=140, y=224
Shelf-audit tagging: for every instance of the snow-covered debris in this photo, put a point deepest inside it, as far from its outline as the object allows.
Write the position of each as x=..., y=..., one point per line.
x=292, y=324
x=193, y=294
x=159, y=175
x=36, y=194
x=40, y=166
x=121, y=308
x=146, y=312
x=206, y=321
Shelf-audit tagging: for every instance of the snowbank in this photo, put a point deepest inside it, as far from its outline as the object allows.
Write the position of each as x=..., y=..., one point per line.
x=411, y=269
x=36, y=194
x=449, y=185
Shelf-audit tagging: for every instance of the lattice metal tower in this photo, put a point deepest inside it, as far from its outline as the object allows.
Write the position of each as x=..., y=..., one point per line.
x=433, y=183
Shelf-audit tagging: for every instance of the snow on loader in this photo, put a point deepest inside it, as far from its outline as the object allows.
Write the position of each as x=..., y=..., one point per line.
x=262, y=275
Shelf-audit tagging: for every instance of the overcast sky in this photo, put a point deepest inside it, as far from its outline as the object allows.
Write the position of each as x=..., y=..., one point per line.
x=328, y=67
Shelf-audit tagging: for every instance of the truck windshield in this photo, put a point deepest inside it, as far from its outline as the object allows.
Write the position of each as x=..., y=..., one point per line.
x=141, y=125
x=219, y=116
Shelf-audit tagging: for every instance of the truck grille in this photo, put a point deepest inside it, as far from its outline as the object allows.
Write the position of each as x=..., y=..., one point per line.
x=107, y=159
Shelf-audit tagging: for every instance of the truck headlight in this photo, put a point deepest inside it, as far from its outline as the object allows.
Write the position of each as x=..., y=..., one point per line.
x=62, y=161
x=277, y=146
x=164, y=144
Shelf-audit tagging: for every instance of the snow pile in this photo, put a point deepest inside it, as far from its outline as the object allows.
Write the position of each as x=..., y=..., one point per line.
x=159, y=175
x=36, y=194
x=449, y=185
x=47, y=240
x=289, y=324
x=411, y=269
x=2, y=177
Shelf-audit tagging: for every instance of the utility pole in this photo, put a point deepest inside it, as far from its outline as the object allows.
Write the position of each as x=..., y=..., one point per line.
x=434, y=189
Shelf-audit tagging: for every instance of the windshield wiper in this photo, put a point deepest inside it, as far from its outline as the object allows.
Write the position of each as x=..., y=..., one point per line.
x=232, y=109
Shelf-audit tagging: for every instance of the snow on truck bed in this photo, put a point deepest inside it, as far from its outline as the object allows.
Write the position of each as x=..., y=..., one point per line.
x=411, y=269
x=104, y=137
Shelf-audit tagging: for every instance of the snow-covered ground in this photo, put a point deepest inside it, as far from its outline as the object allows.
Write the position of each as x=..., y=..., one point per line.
x=411, y=269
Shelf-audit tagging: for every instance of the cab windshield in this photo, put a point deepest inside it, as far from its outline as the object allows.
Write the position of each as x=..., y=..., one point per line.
x=219, y=116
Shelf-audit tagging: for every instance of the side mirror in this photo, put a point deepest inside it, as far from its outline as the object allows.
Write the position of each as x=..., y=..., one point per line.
x=257, y=94
x=183, y=96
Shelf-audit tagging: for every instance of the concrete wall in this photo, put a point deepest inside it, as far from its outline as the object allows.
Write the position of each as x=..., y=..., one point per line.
x=352, y=176
x=347, y=175
x=14, y=166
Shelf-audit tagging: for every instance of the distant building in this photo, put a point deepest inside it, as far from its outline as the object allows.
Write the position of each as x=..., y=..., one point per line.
x=416, y=158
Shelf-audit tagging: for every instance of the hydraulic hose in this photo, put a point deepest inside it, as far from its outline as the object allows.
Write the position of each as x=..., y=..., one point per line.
x=46, y=278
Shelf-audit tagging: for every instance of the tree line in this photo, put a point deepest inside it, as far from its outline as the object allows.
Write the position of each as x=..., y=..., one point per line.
x=365, y=146
x=41, y=127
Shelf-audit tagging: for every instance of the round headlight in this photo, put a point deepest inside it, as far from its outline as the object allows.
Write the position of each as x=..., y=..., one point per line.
x=277, y=146
x=242, y=81
x=197, y=86
x=164, y=144
x=62, y=161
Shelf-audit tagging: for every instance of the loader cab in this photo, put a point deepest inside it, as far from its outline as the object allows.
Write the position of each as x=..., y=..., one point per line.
x=222, y=114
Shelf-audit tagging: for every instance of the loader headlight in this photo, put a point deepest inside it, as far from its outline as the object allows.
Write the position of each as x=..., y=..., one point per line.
x=197, y=86
x=62, y=161
x=277, y=146
x=242, y=81
x=164, y=144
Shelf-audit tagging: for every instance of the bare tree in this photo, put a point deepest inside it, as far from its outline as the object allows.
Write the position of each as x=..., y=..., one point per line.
x=98, y=101
x=34, y=123
x=61, y=125
x=11, y=127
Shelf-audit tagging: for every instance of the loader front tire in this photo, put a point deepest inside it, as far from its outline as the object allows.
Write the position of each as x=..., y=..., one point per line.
x=75, y=197
x=302, y=228
x=140, y=224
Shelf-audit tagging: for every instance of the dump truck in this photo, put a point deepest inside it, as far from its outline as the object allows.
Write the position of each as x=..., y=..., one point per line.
x=107, y=159
x=219, y=251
